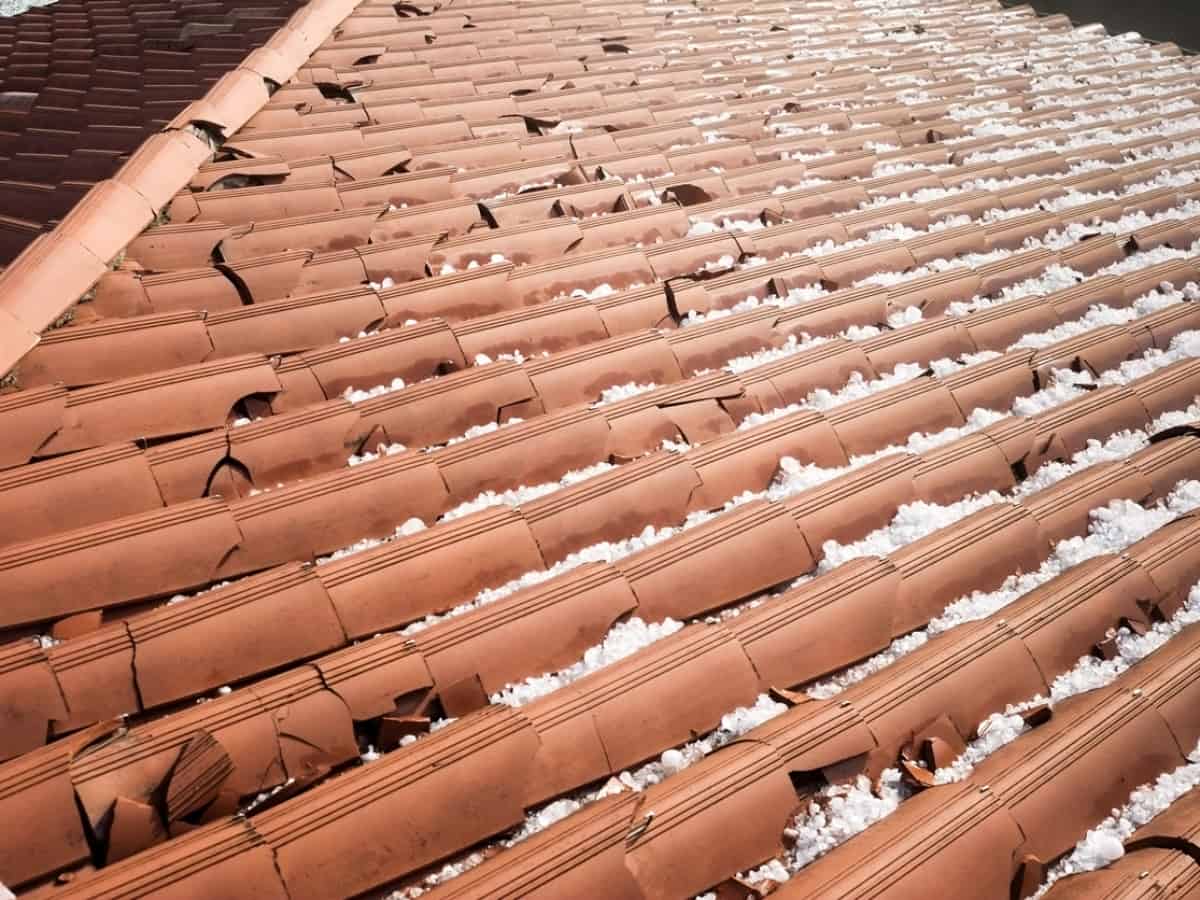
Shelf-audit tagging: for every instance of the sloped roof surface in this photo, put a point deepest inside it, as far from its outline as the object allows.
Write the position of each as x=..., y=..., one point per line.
x=640, y=449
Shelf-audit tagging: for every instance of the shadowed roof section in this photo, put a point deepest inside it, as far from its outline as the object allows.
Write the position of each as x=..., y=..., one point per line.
x=84, y=84
x=94, y=125
x=634, y=449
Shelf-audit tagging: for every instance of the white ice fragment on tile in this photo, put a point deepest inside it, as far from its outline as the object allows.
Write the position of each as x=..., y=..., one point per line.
x=672, y=761
x=1096, y=317
x=742, y=225
x=597, y=293
x=717, y=266
x=445, y=873
x=1104, y=844
x=480, y=430
x=912, y=522
x=358, y=547
x=383, y=285
x=548, y=815
x=263, y=796
x=180, y=598
x=713, y=119
x=494, y=259
x=619, y=392
x=702, y=228
x=410, y=527
x=794, y=476
x=355, y=395
x=910, y=315
x=823, y=399
x=382, y=450
x=623, y=639
x=361, y=334
x=790, y=347
x=525, y=493
x=944, y=366
x=996, y=731
x=734, y=724
x=838, y=813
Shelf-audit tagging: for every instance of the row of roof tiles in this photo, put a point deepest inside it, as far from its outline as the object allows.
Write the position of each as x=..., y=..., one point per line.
x=232, y=91
x=460, y=557
x=203, y=774
x=112, y=480
x=983, y=838
x=98, y=353
x=264, y=277
x=99, y=468
x=216, y=749
x=498, y=762
x=524, y=309
x=243, y=535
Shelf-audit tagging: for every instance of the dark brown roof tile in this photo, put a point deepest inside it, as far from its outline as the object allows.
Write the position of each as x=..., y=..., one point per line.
x=166, y=247
x=33, y=697
x=243, y=621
